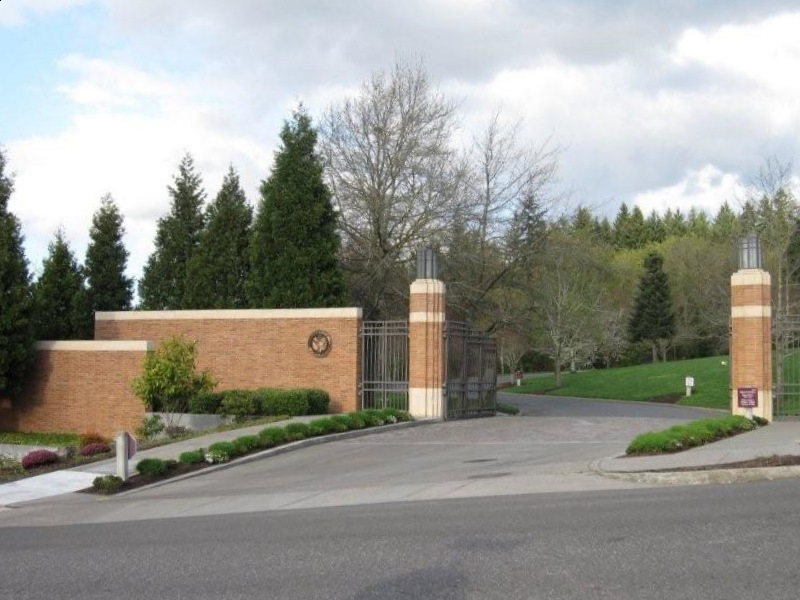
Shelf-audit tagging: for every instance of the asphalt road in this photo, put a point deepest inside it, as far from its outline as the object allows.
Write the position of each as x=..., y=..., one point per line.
x=718, y=542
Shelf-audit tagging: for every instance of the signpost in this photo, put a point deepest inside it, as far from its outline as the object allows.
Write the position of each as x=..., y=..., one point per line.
x=518, y=377
x=689, y=385
x=126, y=448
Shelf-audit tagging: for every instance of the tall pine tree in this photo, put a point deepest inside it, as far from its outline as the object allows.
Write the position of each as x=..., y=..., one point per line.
x=653, y=319
x=294, y=243
x=62, y=304
x=218, y=270
x=163, y=282
x=16, y=332
x=106, y=259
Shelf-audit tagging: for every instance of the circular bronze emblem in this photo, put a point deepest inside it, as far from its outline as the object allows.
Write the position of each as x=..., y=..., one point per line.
x=319, y=343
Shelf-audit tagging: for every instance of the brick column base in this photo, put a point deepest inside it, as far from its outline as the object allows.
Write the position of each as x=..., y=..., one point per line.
x=426, y=349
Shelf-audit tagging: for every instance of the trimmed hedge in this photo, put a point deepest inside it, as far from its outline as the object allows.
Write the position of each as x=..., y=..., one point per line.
x=155, y=467
x=192, y=457
x=262, y=402
x=695, y=433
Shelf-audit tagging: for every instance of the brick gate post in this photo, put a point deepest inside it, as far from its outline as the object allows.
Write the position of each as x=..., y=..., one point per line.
x=751, y=334
x=426, y=321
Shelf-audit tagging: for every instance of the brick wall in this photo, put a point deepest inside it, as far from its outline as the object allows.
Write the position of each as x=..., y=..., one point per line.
x=256, y=348
x=80, y=387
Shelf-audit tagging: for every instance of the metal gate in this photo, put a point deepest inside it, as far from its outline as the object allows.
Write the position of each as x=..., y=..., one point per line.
x=471, y=372
x=384, y=364
x=786, y=337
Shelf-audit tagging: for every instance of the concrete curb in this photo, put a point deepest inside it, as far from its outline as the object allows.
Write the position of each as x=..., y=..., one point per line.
x=334, y=437
x=719, y=476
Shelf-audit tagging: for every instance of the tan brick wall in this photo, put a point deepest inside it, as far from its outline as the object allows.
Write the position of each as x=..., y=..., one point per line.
x=750, y=295
x=426, y=355
x=259, y=352
x=427, y=303
x=80, y=391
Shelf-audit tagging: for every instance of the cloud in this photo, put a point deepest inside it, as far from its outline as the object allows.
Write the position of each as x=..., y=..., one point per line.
x=705, y=189
x=18, y=12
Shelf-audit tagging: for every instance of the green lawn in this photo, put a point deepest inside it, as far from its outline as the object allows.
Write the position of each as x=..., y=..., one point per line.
x=643, y=382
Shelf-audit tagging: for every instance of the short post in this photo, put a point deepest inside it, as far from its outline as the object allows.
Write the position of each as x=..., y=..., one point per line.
x=126, y=448
x=689, y=386
x=122, y=456
x=518, y=377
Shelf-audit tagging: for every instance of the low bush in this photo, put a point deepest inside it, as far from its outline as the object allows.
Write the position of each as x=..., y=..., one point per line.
x=359, y=420
x=176, y=431
x=151, y=427
x=372, y=417
x=318, y=401
x=246, y=443
x=323, y=427
x=346, y=422
x=94, y=448
x=239, y=404
x=297, y=431
x=192, y=457
x=38, y=458
x=92, y=438
x=221, y=452
x=273, y=436
x=282, y=402
x=107, y=484
x=206, y=403
x=689, y=435
x=10, y=466
x=154, y=467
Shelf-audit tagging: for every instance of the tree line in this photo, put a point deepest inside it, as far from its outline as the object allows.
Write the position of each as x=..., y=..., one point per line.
x=348, y=203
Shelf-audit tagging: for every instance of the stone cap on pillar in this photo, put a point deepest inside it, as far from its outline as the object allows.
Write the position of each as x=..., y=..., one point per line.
x=427, y=263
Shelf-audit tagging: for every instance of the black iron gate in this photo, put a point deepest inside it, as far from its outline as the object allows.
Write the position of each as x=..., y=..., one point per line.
x=786, y=375
x=471, y=372
x=384, y=364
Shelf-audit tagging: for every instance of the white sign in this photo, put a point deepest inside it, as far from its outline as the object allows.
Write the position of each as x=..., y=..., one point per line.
x=690, y=382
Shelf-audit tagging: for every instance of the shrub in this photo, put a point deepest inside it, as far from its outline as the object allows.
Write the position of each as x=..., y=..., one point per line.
x=239, y=404
x=323, y=426
x=222, y=452
x=107, y=484
x=192, y=457
x=282, y=402
x=246, y=443
x=297, y=431
x=37, y=458
x=372, y=417
x=169, y=379
x=359, y=420
x=343, y=422
x=153, y=467
x=695, y=433
x=318, y=401
x=205, y=403
x=151, y=427
x=175, y=431
x=273, y=436
x=92, y=438
x=94, y=448
x=10, y=466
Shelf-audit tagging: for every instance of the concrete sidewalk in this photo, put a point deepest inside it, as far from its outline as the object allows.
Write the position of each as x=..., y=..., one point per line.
x=79, y=478
x=781, y=438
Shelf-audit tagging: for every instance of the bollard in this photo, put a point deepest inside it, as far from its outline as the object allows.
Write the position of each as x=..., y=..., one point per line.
x=122, y=456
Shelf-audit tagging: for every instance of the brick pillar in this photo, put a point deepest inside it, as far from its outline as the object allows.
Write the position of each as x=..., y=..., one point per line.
x=426, y=349
x=751, y=339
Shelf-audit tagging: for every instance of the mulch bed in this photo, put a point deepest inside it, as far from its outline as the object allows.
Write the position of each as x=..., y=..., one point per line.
x=137, y=481
x=64, y=463
x=776, y=460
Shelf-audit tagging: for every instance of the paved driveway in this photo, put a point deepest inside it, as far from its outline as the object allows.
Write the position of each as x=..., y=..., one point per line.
x=550, y=451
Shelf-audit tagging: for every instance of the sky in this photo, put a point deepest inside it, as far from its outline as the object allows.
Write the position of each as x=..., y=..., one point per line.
x=658, y=104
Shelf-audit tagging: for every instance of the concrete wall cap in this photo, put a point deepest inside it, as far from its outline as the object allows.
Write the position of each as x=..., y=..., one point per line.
x=244, y=314
x=95, y=346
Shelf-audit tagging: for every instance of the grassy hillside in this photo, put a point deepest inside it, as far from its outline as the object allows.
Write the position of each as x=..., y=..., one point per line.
x=644, y=382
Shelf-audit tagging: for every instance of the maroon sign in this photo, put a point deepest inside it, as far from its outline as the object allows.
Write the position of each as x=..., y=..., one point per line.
x=517, y=374
x=748, y=397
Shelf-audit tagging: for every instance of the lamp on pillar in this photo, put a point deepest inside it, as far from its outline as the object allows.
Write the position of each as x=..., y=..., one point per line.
x=750, y=256
x=427, y=264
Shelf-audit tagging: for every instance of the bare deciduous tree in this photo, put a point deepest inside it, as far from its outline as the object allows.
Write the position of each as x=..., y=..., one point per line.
x=395, y=177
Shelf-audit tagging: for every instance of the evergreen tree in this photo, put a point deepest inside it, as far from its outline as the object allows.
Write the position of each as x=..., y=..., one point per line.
x=726, y=224
x=294, y=243
x=163, y=282
x=675, y=223
x=527, y=233
x=16, y=333
x=653, y=319
x=106, y=260
x=218, y=270
x=656, y=232
x=621, y=226
x=62, y=304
